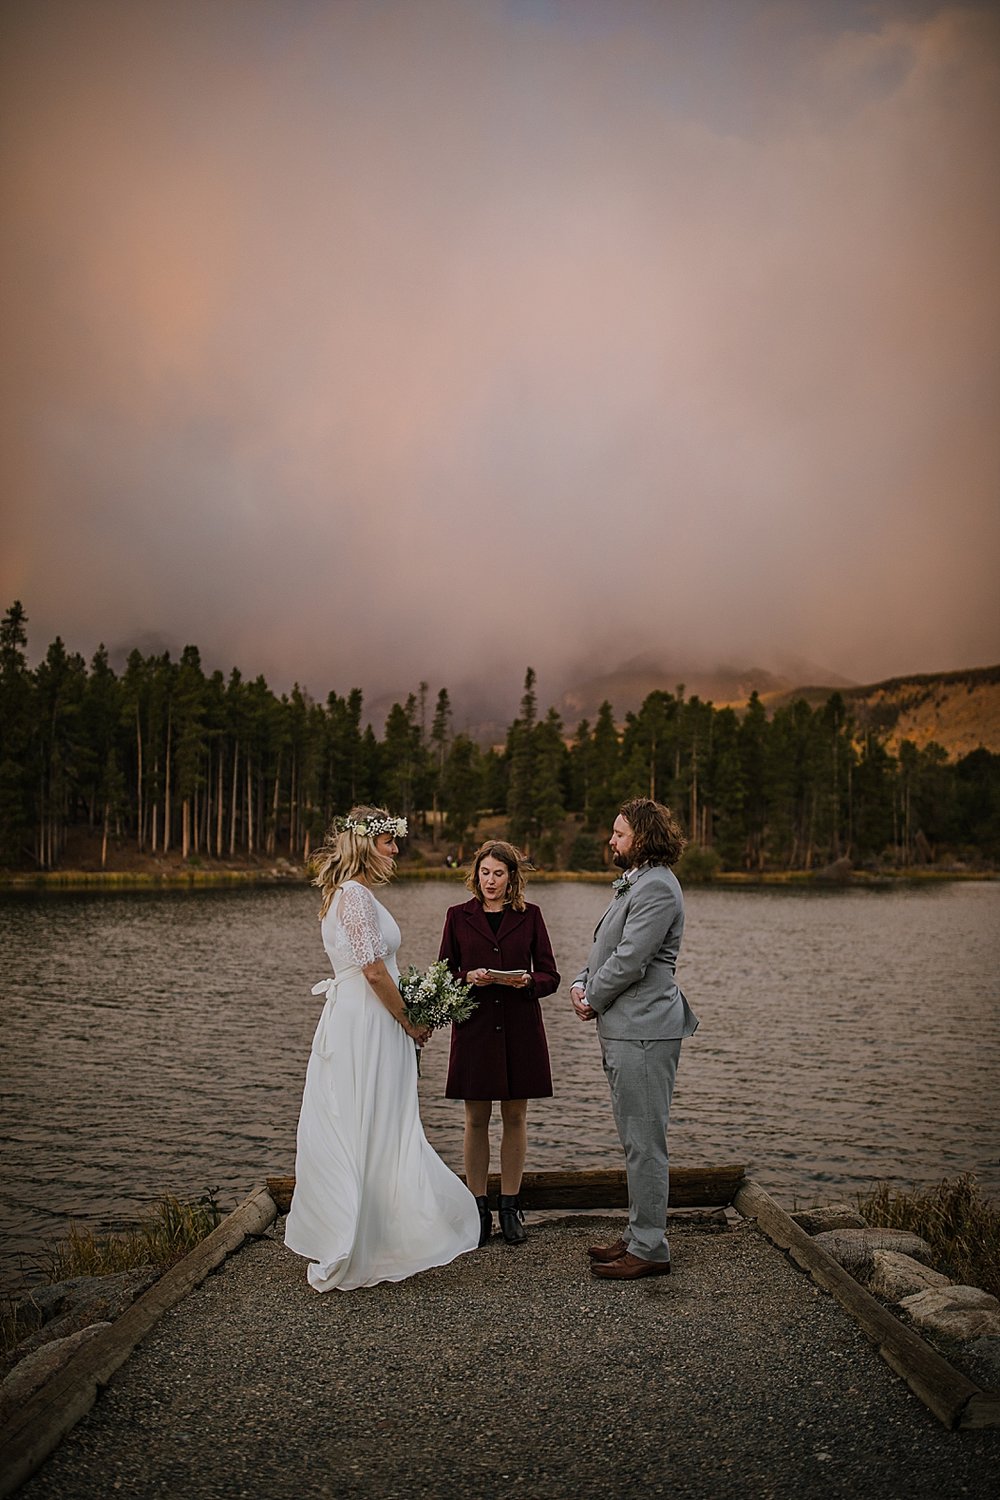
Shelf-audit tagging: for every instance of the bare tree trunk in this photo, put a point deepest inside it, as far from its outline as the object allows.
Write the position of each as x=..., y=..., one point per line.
x=249, y=780
x=219, y=808
x=233, y=800
x=693, y=821
x=141, y=840
x=272, y=833
x=166, y=792
x=154, y=811
x=104, y=839
x=185, y=827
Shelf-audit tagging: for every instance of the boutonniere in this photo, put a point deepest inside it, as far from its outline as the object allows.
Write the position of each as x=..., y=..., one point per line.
x=620, y=886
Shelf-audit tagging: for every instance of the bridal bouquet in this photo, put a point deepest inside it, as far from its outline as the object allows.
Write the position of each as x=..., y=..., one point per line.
x=435, y=998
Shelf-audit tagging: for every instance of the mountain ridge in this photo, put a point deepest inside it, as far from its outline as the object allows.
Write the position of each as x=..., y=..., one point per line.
x=958, y=709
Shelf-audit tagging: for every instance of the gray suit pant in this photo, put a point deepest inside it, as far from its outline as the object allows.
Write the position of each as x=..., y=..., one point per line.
x=641, y=1078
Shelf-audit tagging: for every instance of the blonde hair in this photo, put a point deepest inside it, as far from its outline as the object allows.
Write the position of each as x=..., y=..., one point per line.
x=346, y=853
x=507, y=855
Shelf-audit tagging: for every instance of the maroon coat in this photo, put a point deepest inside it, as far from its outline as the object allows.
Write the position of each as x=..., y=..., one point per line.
x=500, y=1052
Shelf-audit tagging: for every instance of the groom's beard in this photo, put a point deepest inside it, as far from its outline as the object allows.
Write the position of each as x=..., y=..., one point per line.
x=623, y=861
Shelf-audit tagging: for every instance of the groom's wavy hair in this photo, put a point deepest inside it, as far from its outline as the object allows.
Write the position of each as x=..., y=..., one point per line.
x=346, y=853
x=657, y=834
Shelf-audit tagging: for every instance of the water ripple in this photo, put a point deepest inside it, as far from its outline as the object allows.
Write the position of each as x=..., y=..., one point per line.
x=157, y=1042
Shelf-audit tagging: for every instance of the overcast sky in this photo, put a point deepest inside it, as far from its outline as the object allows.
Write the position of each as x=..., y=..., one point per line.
x=359, y=343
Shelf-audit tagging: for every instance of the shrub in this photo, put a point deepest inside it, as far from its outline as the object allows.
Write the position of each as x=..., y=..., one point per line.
x=169, y=1232
x=960, y=1225
x=586, y=852
x=698, y=864
x=163, y=1237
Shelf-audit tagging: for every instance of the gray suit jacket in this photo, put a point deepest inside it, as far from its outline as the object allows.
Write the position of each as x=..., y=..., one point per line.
x=629, y=978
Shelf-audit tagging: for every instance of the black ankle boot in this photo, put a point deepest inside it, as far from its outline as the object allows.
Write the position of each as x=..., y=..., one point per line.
x=511, y=1219
x=485, y=1219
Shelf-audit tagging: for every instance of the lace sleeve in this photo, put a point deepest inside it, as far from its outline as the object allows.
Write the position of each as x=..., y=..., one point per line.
x=359, y=919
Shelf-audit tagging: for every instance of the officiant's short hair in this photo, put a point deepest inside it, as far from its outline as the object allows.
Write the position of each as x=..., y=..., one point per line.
x=507, y=855
x=657, y=834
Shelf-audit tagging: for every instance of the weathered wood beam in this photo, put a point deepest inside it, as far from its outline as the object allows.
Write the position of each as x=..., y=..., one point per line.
x=951, y=1396
x=35, y=1428
x=690, y=1187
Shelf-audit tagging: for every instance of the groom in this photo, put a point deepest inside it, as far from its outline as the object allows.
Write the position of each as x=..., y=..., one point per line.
x=629, y=988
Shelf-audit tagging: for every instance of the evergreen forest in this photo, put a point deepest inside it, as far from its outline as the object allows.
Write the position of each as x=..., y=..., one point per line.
x=167, y=758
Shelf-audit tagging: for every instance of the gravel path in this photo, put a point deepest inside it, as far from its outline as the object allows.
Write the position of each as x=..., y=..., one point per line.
x=514, y=1371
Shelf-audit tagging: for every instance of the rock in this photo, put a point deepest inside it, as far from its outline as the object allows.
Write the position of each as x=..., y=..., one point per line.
x=36, y=1368
x=894, y=1276
x=854, y=1249
x=62, y=1296
x=957, y=1312
x=69, y=1306
x=832, y=1216
x=982, y=1357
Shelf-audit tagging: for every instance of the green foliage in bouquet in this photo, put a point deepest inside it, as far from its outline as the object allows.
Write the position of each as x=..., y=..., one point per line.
x=435, y=998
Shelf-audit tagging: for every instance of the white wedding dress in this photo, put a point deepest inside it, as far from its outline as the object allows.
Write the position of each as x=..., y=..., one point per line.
x=373, y=1201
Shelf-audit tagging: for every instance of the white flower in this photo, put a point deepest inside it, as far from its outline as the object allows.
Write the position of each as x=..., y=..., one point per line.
x=435, y=998
x=370, y=828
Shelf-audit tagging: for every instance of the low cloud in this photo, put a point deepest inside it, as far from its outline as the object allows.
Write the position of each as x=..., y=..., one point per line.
x=365, y=344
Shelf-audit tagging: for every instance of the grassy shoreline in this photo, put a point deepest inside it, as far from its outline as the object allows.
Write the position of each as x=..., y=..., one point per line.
x=119, y=880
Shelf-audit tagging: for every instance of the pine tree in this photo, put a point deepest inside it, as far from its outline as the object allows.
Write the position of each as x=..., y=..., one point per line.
x=753, y=764
x=401, y=757
x=724, y=788
x=549, y=757
x=105, y=788
x=606, y=794
x=60, y=686
x=461, y=788
x=17, y=724
x=440, y=742
x=521, y=758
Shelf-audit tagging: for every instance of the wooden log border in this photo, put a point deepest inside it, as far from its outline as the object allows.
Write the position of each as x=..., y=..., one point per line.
x=55, y=1408
x=690, y=1187
x=954, y=1399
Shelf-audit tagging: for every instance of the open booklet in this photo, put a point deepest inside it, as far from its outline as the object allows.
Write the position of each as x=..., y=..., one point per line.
x=507, y=973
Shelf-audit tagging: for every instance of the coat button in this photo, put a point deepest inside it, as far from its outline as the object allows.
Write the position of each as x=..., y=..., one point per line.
x=499, y=1028
x=496, y=950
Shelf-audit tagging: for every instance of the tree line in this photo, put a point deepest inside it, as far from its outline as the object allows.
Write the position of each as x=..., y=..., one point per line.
x=173, y=759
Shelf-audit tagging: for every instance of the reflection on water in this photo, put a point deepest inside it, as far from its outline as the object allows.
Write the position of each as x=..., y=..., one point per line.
x=157, y=1041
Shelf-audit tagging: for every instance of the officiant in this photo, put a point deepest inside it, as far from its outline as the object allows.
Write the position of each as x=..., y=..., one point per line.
x=497, y=942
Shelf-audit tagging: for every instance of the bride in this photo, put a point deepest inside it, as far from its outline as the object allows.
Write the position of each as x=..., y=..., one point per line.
x=373, y=1201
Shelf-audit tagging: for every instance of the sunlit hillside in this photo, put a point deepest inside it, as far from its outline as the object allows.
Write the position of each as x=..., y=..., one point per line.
x=958, y=710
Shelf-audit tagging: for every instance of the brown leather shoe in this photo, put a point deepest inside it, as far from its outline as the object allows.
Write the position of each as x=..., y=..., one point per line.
x=629, y=1267
x=604, y=1253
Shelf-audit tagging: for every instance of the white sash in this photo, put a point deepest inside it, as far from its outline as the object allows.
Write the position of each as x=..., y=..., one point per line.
x=322, y=1043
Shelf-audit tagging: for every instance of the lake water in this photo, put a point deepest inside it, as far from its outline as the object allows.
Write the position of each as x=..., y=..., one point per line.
x=157, y=1042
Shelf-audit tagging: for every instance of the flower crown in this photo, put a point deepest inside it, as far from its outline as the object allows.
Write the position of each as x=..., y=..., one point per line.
x=370, y=828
